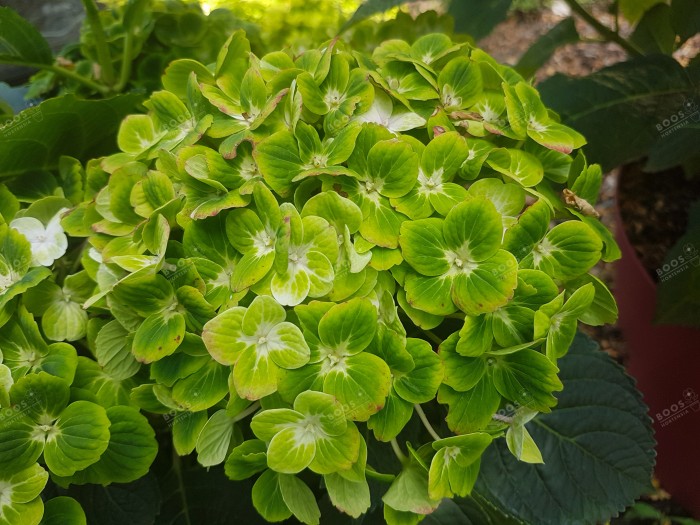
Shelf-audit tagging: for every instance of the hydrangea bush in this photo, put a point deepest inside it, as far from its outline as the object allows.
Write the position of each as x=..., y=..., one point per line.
x=289, y=261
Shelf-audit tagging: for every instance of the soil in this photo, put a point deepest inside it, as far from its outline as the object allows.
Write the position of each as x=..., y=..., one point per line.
x=655, y=211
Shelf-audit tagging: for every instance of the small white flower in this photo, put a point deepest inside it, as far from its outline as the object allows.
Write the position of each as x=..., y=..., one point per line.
x=48, y=243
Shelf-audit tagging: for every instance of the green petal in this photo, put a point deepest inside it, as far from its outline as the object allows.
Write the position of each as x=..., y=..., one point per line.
x=287, y=346
x=246, y=459
x=269, y=422
x=470, y=411
x=349, y=326
x=81, y=437
x=420, y=384
x=337, y=453
x=519, y=165
x=423, y=246
x=300, y=500
x=255, y=374
x=361, y=384
x=25, y=485
x=531, y=227
x=392, y=418
x=267, y=498
x=350, y=497
x=324, y=410
x=222, y=336
x=63, y=510
x=158, y=336
x=394, y=165
x=474, y=229
x=461, y=372
x=430, y=294
x=489, y=285
x=569, y=249
x=527, y=377
x=291, y=450
x=131, y=450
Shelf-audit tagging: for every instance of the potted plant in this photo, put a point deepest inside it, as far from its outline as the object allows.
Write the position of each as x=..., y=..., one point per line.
x=317, y=286
x=643, y=115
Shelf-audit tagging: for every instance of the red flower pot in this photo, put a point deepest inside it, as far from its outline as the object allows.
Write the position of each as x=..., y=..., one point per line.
x=665, y=361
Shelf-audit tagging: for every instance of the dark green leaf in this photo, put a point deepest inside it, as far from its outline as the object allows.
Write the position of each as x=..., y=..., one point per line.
x=134, y=503
x=21, y=42
x=61, y=126
x=478, y=18
x=540, y=52
x=678, y=299
x=369, y=8
x=644, y=97
x=654, y=32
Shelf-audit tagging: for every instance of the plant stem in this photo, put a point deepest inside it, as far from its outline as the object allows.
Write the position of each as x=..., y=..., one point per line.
x=125, y=71
x=434, y=338
x=177, y=467
x=104, y=56
x=67, y=73
x=397, y=450
x=371, y=473
x=602, y=30
x=426, y=423
x=252, y=408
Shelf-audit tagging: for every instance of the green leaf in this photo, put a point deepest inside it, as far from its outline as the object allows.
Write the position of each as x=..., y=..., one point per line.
x=299, y=499
x=81, y=437
x=63, y=510
x=21, y=42
x=655, y=33
x=527, y=377
x=540, y=52
x=610, y=453
x=677, y=293
x=369, y=8
x=65, y=125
